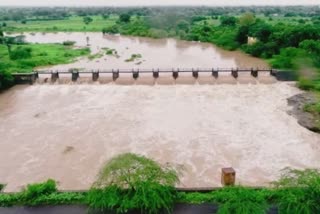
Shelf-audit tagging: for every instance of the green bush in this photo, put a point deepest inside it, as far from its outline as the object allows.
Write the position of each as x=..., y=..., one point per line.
x=105, y=198
x=157, y=34
x=132, y=182
x=6, y=79
x=195, y=197
x=240, y=200
x=69, y=43
x=298, y=191
x=1, y=187
x=226, y=39
x=286, y=59
x=125, y=17
x=114, y=29
x=57, y=198
x=35, y=191
x=41, y=194
x=9, y=200
x=20, y=53
x=306, y=84
x=147, y=198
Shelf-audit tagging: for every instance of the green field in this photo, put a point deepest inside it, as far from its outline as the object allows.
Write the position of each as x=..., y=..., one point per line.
x=72, y=24
x=76, y=24
x=40, y=55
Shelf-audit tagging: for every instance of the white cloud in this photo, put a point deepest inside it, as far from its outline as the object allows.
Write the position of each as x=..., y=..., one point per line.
x=154, y=2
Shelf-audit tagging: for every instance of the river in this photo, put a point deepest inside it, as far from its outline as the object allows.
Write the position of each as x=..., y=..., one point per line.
x=156, y=53
x=68, y=131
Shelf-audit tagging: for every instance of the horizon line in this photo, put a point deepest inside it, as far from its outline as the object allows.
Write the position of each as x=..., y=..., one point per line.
x=176, y=5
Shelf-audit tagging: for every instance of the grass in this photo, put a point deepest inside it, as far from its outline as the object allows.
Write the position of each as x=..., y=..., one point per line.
x=110, y=51
x=76, y=24
x=314, y=109
x=41, y=55
x=236, y=199
x=41, y=194
x=134, y=57
x=286, y=20
x=72, y=24
x=297, y=191
x=95, y=56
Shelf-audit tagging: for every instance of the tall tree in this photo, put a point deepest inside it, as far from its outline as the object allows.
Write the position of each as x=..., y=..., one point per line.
x=87, y=20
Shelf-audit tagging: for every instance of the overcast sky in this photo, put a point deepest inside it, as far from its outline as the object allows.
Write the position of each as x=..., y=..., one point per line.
x=153, y=2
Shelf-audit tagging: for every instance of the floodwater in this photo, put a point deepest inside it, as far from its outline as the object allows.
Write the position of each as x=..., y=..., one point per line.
x=67, y=132
x=155, y=53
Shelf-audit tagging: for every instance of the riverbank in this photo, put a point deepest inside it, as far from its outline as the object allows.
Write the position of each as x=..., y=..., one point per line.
x=26, y=57
x=45, y=197
x=21, y=58
x=306, y=111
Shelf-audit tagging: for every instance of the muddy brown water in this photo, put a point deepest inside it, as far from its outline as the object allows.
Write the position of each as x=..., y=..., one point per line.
x=66, y=132
x=156, y=53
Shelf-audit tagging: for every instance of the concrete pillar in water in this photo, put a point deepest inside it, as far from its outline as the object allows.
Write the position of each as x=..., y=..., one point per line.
x=135, y=74
x=155, y=73
x=95, y=75
x=115, y=75
x=195, y=74
x=254, y=72
x=54, y=76
x=228, y=176
x=75, y=75
x=36, y=75
x=234, y=73
x=175, y=74
x=273, y=72
x=33, y=77
x=215, y=73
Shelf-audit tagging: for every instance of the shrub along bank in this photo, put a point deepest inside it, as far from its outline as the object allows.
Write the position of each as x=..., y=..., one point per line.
x=135, y=183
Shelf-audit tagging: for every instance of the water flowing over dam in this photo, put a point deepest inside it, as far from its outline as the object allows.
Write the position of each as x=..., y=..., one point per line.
x=70, y=122
x=67, y=132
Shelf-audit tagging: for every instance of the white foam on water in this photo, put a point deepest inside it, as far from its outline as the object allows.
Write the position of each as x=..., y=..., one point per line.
x=203, y=127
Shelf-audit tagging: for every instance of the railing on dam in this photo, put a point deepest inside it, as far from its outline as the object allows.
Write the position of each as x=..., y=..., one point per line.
x=21, y=78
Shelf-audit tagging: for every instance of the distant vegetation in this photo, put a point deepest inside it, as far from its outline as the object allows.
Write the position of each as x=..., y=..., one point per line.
x=283, y=34
x=287, y=37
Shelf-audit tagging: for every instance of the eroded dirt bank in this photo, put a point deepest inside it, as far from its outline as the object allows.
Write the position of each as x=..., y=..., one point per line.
x=305, y=119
